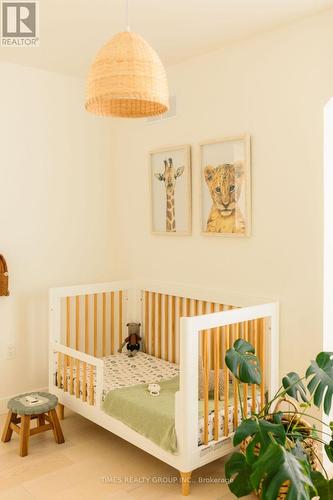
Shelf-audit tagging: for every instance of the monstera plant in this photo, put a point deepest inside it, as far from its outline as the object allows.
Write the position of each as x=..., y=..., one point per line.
x=277, y=443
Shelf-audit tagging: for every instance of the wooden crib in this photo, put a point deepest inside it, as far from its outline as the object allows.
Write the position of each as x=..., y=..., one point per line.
x=181, y=324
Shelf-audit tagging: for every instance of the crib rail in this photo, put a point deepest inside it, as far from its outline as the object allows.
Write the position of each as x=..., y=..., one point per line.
x=90, y=318
x=257, y=324
x=161, y=326
x=86, y=323
x=253, y=397
x=77, y=374
x=93, y=323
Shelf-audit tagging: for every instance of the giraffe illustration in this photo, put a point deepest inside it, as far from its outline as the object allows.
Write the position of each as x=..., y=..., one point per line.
x=169, y=177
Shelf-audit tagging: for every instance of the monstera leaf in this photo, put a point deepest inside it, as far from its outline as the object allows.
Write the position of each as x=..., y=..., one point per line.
x=321, y=383
x=243, y=363
x=294, y=386
x=329, y=450
x=238, y=472
x=323, y=486
x=262, y=432
x=267, y=433
x=276, y=466
x=246, y=428
x=298, y=451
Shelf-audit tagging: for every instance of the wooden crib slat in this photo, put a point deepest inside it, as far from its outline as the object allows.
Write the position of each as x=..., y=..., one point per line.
x=91, y=385
x=147, y=322
x=120, y=318
x=188, y=307
x=203, y=311
x=196, y=313
x=112, y=322
x=68, y=341
x=245, y=386
x=174, y=329
x=95, y=324
x=71, y=379
x=68, y=321
x=166, y=327
x=77, y=322
x=77, y=380
x=86, y=347
x=226, y=335
x=181, y=307
x=205, y=384
x=236, y=402
x=235, y=337
x=84, y=382
x=59, y=369
x=262, y=361
x=222, y=353
x=153, y=321
x=216, y=382
x=104, y=324
x=211, y=309
x=64, y=374
x=258, y=351
x=253, y=324
x=159, y=325
x=86, y=324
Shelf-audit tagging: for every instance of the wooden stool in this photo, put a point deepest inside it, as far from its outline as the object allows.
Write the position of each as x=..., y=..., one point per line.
x=20, y=412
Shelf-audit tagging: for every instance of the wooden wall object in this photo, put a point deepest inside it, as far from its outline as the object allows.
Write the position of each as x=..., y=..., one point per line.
x=4, y=291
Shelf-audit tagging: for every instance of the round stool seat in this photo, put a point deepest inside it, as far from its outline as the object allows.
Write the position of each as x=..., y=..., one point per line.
x=20, y=406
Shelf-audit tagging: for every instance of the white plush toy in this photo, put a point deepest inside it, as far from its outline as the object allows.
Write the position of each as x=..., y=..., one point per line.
x=154, y=389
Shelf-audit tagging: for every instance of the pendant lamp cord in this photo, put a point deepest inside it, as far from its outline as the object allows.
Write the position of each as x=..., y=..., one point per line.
x=127, y=16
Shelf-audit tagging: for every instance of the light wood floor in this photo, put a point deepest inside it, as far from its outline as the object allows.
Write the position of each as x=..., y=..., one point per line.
x=95, y=464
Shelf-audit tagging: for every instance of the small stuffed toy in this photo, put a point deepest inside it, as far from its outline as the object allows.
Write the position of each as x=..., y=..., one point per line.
x=133, y=339
x=154, y=389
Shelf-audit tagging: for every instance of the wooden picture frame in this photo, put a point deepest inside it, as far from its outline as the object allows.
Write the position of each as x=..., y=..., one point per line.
x=170, y=181
x=225, y=176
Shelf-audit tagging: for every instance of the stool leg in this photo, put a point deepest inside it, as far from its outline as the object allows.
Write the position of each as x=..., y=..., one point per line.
x=61, y=411
x=41, y=420
x=57, y=431
x=24, y=435
x=7, y=431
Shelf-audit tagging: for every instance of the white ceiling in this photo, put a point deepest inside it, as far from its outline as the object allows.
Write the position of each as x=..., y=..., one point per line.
x=72, y=31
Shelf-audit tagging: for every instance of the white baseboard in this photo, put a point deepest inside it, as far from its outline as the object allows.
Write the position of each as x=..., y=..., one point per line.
x=4, y=401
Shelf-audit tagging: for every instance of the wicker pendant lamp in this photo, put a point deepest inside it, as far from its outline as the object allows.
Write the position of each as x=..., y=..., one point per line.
x=127, y=79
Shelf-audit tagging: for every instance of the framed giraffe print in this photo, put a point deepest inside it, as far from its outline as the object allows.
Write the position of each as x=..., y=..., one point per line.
x=170, y=188
x=226, y=187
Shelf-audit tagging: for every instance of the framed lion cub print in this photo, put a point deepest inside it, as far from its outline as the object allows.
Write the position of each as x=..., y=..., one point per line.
x=226, y=187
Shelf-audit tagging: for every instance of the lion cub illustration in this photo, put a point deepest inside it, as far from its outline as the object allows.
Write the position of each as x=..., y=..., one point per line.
x=225, y=184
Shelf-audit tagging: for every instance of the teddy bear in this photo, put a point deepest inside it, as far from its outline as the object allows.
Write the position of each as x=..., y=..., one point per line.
x=132, y=340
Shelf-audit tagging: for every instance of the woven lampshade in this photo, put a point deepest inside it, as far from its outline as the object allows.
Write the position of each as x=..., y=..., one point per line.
x=127, y=79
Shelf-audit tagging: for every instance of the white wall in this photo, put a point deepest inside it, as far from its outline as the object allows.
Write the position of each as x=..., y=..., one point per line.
x=55, y=210
x=328, y=226
x=328, y=241
x=274, y=87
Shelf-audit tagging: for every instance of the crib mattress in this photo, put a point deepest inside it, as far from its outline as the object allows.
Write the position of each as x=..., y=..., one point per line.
x=122, y=371
x=126, y=398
